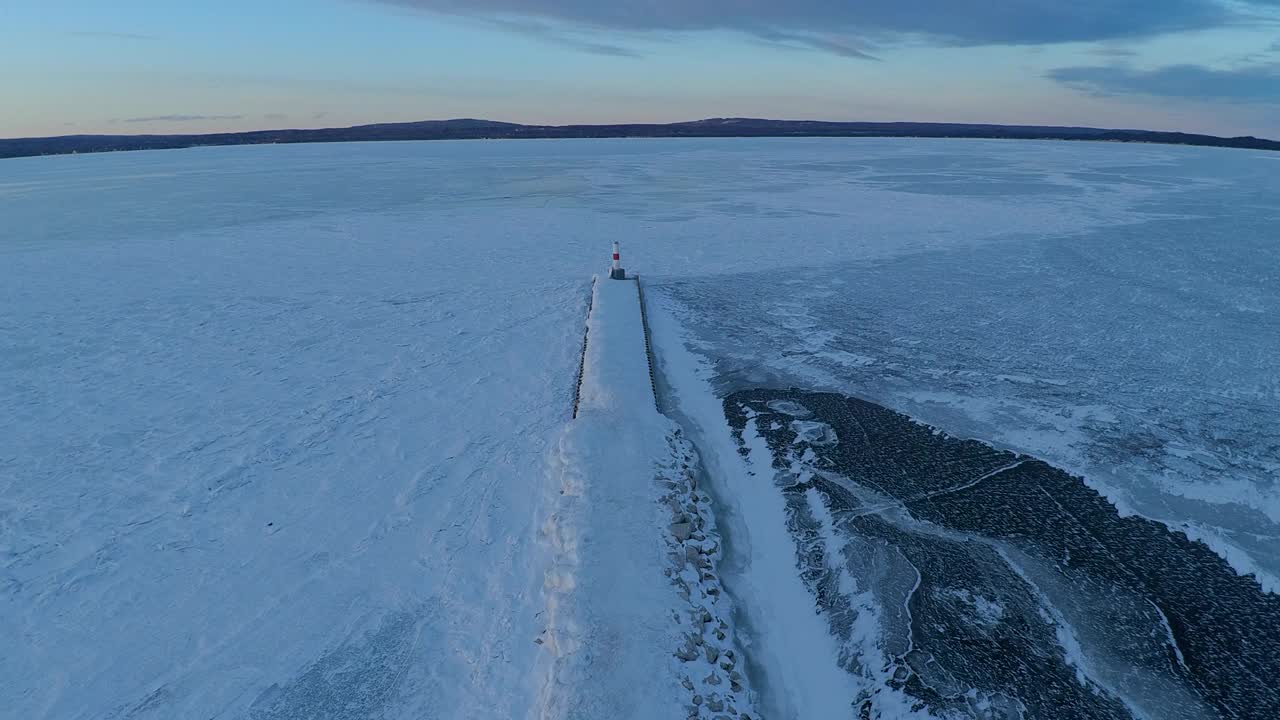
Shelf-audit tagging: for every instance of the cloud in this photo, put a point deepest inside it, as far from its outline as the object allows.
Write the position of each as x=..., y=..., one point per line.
x=1114, y=51
x=112, y=35
x=957, y=22
x=543, y=31
x=847, y=47
x=182, y=118
x=1257, y=83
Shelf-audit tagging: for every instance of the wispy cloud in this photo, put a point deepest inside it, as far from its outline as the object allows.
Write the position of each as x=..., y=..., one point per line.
x=543, y=31
x=1114, y=51
x=847, y=47
x=812, y=22
x=112, y=35
x=181, y=118
x=1257, y=83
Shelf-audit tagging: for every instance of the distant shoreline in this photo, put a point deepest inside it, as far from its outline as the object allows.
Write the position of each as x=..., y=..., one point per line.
x=717, y=127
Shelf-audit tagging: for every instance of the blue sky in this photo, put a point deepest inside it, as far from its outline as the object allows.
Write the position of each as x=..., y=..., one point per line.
x=140, y=66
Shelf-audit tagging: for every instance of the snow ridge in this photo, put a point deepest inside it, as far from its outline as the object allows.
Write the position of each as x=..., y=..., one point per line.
x=796, y=658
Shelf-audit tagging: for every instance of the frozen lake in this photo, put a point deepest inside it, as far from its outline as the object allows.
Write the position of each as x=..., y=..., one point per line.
x=306, y=394
x=1141, y=352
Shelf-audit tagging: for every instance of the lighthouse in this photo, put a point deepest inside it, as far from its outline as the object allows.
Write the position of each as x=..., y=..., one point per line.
x=616, y=272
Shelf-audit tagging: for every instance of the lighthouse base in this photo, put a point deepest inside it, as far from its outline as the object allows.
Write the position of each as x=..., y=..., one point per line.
x=617, y=274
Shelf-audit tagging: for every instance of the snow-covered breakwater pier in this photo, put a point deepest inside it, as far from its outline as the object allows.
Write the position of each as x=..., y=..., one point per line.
x=616, y=353
x=637, y=622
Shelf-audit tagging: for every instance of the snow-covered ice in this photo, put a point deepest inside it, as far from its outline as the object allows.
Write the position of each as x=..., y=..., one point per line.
x=245, y=473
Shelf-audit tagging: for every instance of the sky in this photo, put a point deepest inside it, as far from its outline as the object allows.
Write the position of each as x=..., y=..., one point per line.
x=152, y=66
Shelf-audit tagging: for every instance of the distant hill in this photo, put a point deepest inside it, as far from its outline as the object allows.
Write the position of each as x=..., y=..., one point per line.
x=468, y=129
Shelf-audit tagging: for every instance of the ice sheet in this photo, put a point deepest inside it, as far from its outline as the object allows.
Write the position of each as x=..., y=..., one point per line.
x=278, y=418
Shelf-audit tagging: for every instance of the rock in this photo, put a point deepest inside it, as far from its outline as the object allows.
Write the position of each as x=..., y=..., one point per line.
x=697, y=699
x=726, y=665
x=689, y=652
x=682, y=530
x=687, y=655
x=695, y=558
x=735, y=686
x=713, y=653
x=712, y=679
x=715, y=705
x=688, y=684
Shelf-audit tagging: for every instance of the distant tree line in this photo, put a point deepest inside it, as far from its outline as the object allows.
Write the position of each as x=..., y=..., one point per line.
x=717, y=127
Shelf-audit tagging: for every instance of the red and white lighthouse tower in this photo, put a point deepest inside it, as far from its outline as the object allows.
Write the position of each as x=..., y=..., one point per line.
x=616, y=272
